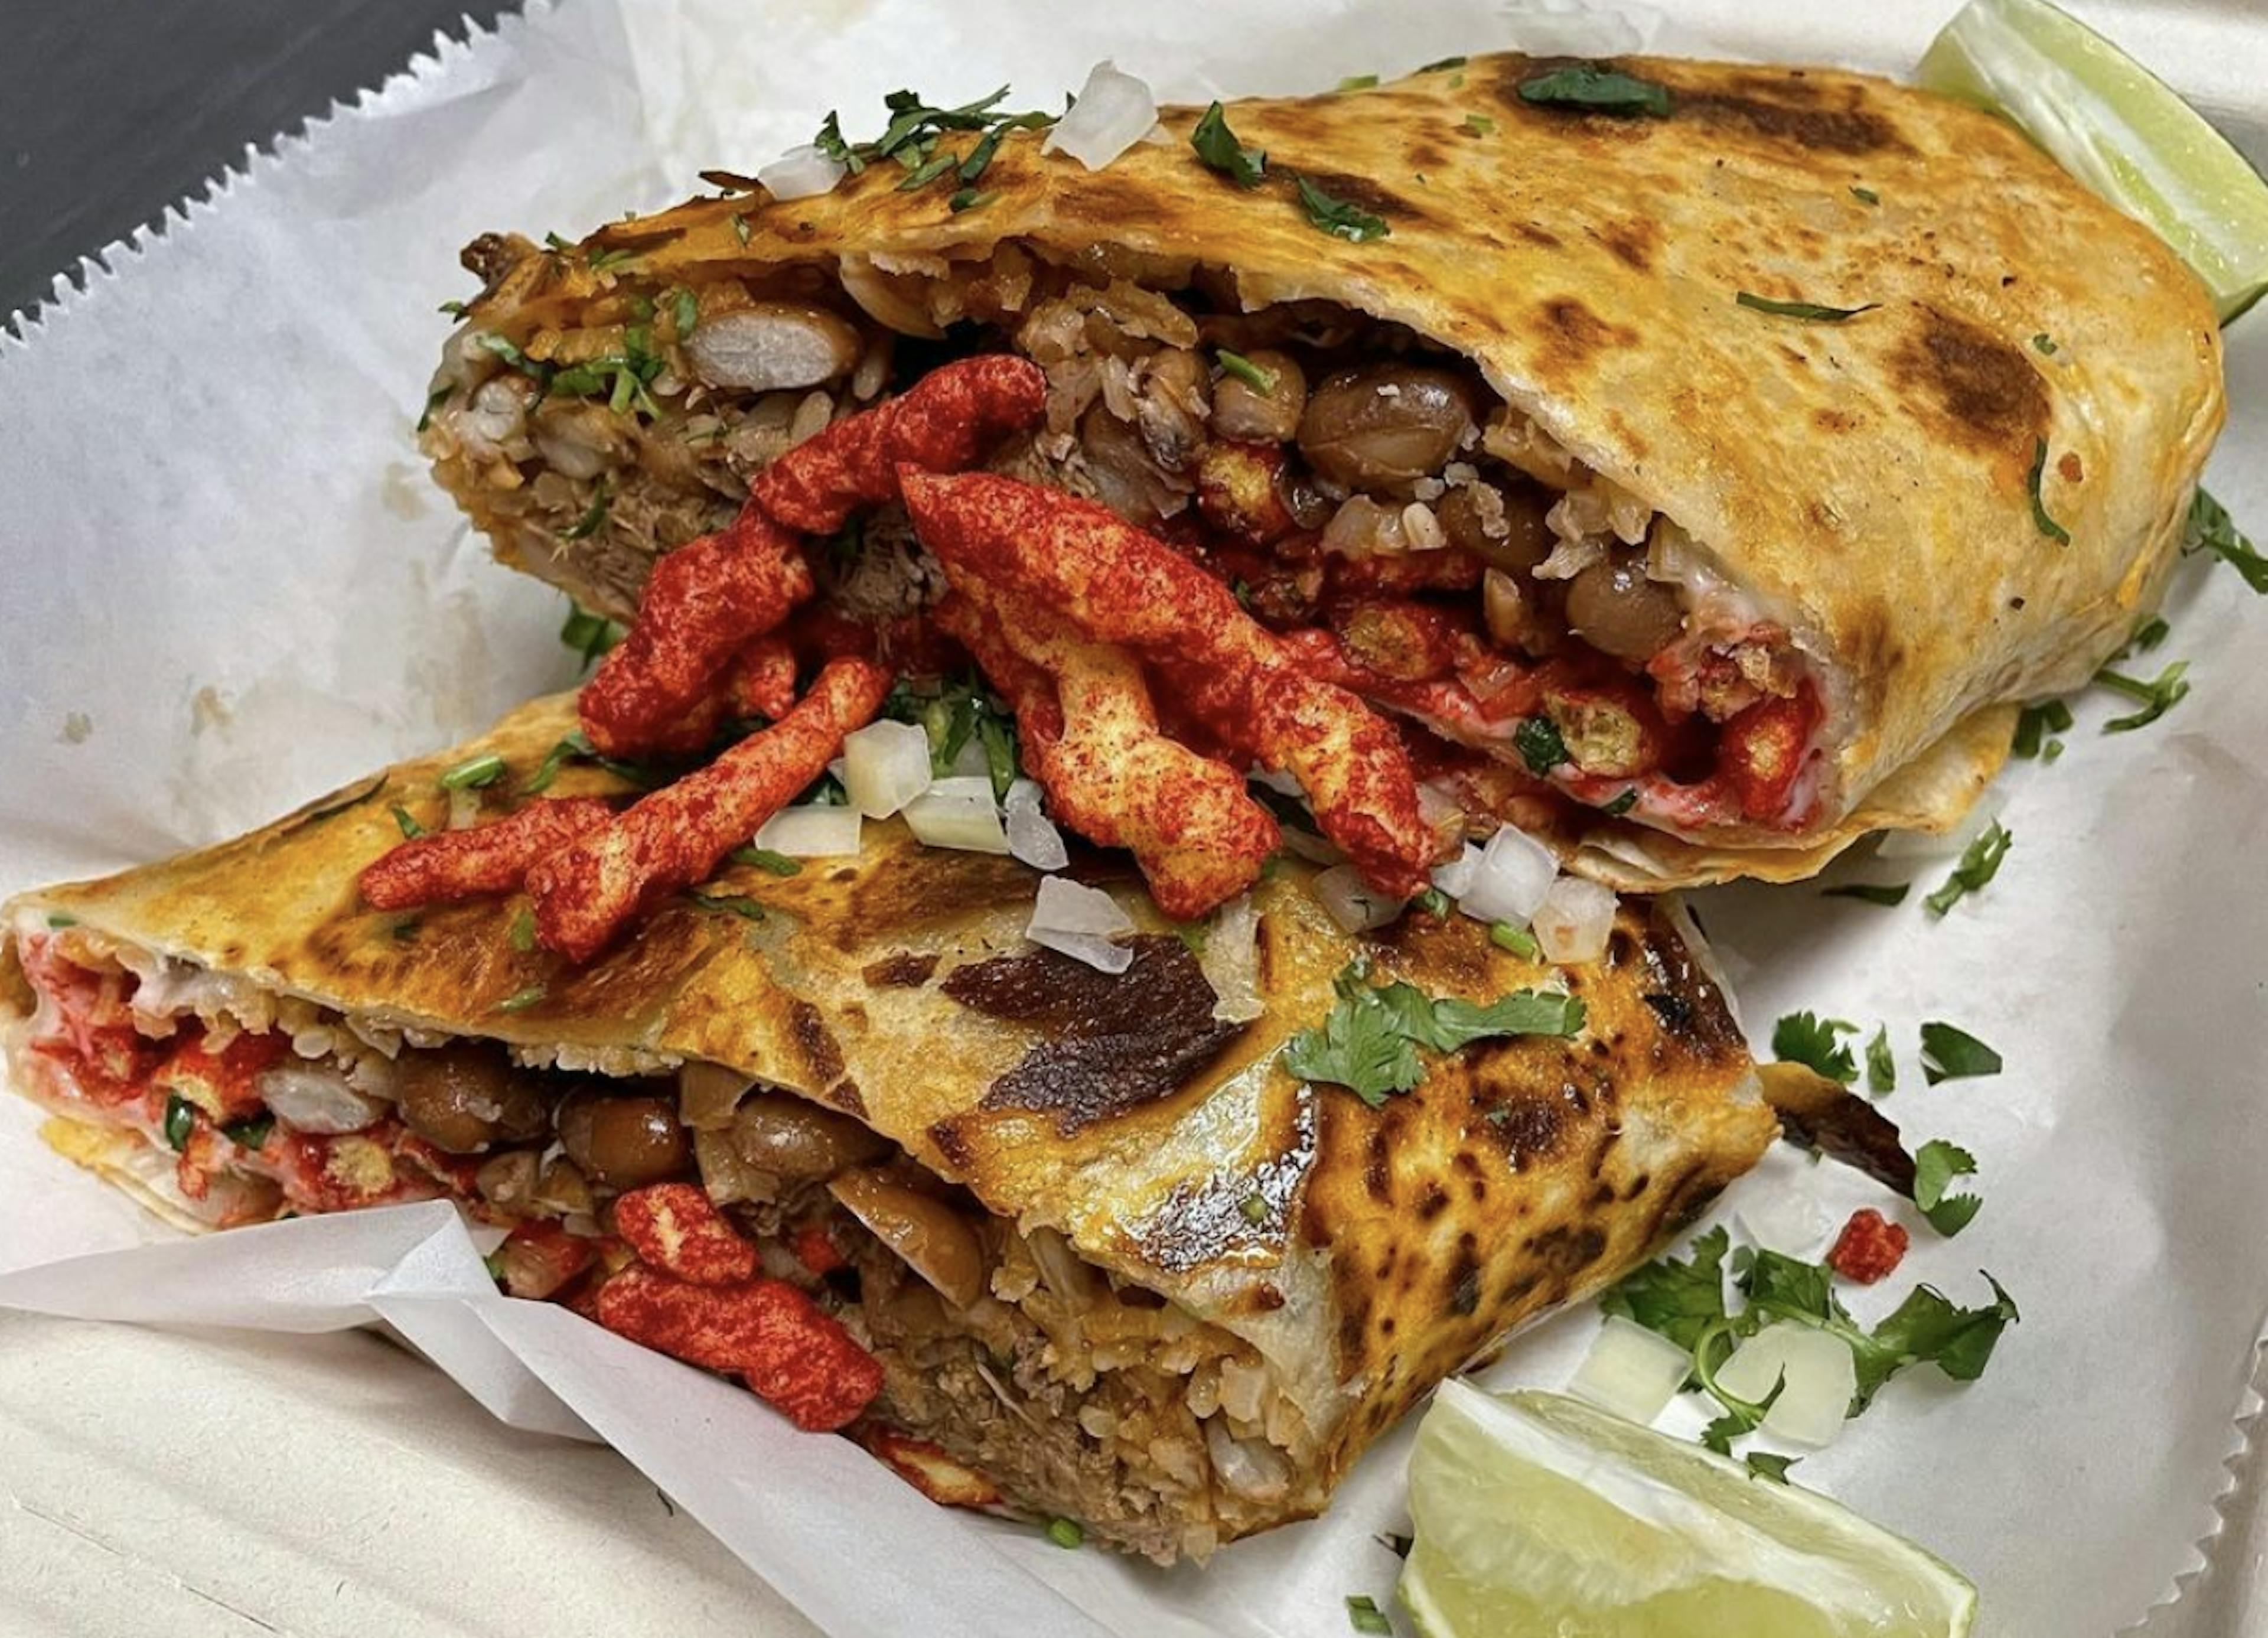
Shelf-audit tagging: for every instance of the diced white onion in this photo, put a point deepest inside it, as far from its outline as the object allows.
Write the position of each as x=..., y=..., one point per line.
x=970, y=759
x=1232, y=961
x=314, y=1099
x=1572, y=924
x=962, y=788
x=464, y=809
x=1311, y=847
x=1784, y=1221
x=1456, y=878
x=1350, y=901
x=813, y=832
x=1631, y=1370
x=1082, y=922
x=885, y=766
x=1821, y=1380
x=1032, y=838
x=1509, y=882
x=801, y=174
x=1114, y=112
x=970, y=824
x=1281, y=782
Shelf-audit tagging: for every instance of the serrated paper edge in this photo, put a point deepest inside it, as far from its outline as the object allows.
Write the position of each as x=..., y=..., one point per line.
x=2245, y=1429
x=75, y=287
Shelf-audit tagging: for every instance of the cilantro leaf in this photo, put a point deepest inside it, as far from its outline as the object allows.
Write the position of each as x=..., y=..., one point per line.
x=1980, y=862
x=1341, y=218
x=2035, y=723
x=2157, y=698
x=1815, y=1042
x=1763, y=1464
x=1600, y=90
x=474, y=774
x=2046, y=524
x=1881, y=1068
x=1951, y=1054
x=766, y=859
x=2210, y=529
x=1808, y=310
x=1216, y=146
x=1928, y=1327
x=1865, y=196
x=1886, y=894
x=1674, y=1299
x=1363, y=1613
x=1369, y=1043
x=1935, y=1167
x=1538, y=741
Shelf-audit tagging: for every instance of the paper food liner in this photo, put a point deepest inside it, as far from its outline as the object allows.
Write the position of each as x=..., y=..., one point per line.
x=230, y=587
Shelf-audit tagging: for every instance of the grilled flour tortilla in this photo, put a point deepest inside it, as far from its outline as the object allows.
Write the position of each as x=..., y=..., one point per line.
x=1166, y=1288
x=1804, y=552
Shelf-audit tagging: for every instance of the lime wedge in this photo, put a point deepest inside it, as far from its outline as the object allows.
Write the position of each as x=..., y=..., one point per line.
x=1537, y=1513
x=2117, y=128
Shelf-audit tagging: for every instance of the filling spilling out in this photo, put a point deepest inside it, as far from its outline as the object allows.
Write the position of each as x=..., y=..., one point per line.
x=1013, y=1374
x=1548, y=643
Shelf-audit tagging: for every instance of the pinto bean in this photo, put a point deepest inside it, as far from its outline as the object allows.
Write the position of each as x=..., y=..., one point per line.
x=1613, y=607
x=1385, y=425
x=463, y=1096
x=935, y=1241
x=623, y=1142
x=797, y=1140
x=1261, y=415
x=1503, y=527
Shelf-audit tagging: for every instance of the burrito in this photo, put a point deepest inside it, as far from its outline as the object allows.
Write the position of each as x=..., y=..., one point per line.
x=1694, y=461
x=1047, y=1239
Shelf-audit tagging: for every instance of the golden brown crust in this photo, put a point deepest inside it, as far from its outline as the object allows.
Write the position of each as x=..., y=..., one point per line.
x=1391, y=1244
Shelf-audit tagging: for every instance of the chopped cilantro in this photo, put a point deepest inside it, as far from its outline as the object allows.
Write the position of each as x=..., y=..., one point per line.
x=600, y=261
x=250, y=1133
x=433, y=401
x=2211, y=530
x=523, y=932
x=1216, y=146
x=475, y=773
x=739, y=227
x=1764, y=1464
x=1066, y=1532
x=1253, y=1208
x=2045, y=344
x=1363, y=1613
x=1674, y=1299
x=405, y=930
x=2147, y=636
x=406, y=822
x=2047, y=524
x=1600, y=90
x=587, y=525
x=1980, y=862
x=57, y=921
x=589, y=635
x=1434, y=902
x=1935, y=1167
x=1951, y=1054
x=765, y=860
x=1539, y=744
x=1244, y=370
x=1359, y=82
x=506, y=349
x=927, y=171
x=1886, y=894
x=354, y=798
x=1816, y=1042
x=520, y=1000
x=1519, y=940
x=1882, y=1067
x=2157, y=698
x=686, y=311
x=969, y=199
x=454, y=309
x=1622, y=803
x=729, y=904
x=1479, y=124
x=1810, y=310
x=1369, y=1041
x=181, y=1120
x=829, y=142
x=1339, y=218
x=1865, y=196
x=1439, y=63
x=2035, y=723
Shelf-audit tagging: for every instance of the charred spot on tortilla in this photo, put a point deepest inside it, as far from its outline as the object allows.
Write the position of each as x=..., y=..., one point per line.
x=1632, y=241
x=1794, y=109
x=916, y=888
x=1359, y=191
x=907, y=970
x=820, y=1053
x=1572, y=333
x=1530, y=1127
x=1107, y=1045
x=846, y=1096
x=1980, y=386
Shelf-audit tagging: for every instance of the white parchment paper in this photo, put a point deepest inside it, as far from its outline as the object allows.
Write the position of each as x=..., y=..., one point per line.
x=225, y=586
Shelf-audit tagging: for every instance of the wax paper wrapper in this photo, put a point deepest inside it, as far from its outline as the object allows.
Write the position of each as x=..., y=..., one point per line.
x=228, y=586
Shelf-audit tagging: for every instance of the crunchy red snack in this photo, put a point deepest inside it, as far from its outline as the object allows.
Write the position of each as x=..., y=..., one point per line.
x=766, y=1332
x=1608, y=723
x=492, y=858
x=678, y=1228
x=1399, y=639
x=1869, y=1248
x=815, y=1248
x=1112, y=775
x=538, y=1259
x=1119, y=585
x=586, y=892
x=1236, y=491
x=222, y=1083
x=944, y=423
x=704, y=602
x=763, y=679
x=1762, y=752
x=930, y=1468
